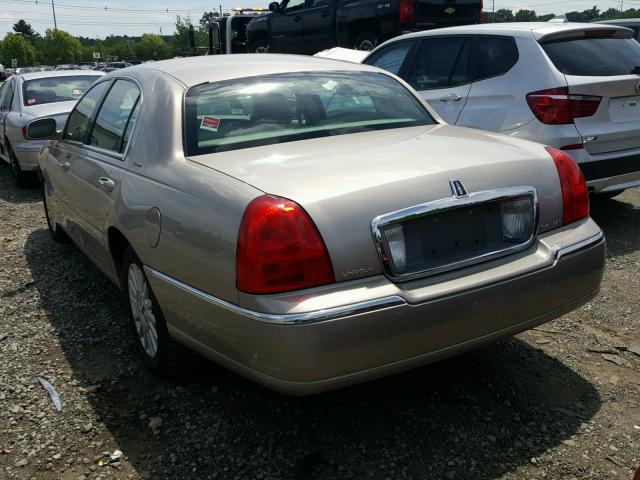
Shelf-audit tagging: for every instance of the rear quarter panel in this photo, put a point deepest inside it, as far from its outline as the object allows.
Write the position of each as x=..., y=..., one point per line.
x=200, y=208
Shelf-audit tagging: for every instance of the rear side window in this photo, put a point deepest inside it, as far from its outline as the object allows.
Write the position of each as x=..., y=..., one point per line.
x=78, y=123
x=281, y=108
x=390, y=58
x=115, y=114
x=441, y=62
x=496, y=56
x=593, y=56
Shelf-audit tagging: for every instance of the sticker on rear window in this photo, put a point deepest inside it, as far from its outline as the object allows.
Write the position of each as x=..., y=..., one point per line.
x=31, y=101
x=210, y=123
x=76, y=92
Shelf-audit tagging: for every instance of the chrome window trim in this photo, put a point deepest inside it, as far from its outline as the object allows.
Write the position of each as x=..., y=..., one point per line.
x=442, y=205
x=285, y=318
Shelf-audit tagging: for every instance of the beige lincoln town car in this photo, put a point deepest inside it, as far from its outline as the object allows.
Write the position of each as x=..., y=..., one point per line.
x=311, y=223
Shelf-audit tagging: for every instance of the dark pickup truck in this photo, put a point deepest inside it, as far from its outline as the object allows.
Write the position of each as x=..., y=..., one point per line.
x=309, y=26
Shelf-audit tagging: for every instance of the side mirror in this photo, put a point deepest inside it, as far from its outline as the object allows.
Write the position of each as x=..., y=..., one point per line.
x=274, y=7
x=42, y=129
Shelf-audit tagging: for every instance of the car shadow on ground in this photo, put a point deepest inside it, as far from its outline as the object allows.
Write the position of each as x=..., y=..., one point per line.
x=484, y=413
x=620, y=221
x=9, y=192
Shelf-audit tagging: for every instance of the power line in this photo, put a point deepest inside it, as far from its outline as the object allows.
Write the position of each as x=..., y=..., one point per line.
x=109, y=9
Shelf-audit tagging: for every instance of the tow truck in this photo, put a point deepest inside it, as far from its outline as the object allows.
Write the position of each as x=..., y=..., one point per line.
x=228, y=34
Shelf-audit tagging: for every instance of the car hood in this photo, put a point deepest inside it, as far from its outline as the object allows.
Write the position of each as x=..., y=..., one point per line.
x=345, y=181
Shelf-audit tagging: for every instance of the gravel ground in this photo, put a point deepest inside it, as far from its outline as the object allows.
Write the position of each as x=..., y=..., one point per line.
x=558, y=402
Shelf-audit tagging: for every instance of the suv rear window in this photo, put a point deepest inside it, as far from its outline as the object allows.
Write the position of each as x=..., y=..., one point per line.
x=594, y=56
x=281, y=108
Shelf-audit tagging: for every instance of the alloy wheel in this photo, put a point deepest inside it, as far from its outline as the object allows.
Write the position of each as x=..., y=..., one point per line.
x=142, y=310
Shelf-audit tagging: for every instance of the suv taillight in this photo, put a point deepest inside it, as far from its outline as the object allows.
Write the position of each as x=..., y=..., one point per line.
x=555, y=106
x=575, y=196
x=279, y=248
x=407, y=12
x=481, y=11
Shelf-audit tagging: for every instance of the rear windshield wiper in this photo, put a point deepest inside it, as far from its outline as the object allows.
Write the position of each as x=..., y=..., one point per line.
x=635, y=71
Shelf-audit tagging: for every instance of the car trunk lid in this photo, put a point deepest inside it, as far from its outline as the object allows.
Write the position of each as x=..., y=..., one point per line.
x=346, y=181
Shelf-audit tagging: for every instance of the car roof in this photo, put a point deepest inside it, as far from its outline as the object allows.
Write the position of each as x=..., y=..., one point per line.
x=538, y=29
x=215, y=68
x=621, y=21
x=58, y=73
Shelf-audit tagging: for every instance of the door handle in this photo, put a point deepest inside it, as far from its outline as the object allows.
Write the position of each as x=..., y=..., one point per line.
x=64, y=165
x=106, y=184
x=325, y=14
x=452, y=97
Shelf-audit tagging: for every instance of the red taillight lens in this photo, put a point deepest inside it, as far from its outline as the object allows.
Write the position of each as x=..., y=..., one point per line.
x=279, y=248
x=25, y=133
x=481, y=11
x=407, y=12
x=575, y=196
x=556, y=106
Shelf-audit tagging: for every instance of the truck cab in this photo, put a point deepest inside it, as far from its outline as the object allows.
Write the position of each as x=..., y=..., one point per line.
x=310, y=26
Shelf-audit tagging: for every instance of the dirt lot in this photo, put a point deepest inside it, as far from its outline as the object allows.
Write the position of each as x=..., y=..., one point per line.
x=559, y=402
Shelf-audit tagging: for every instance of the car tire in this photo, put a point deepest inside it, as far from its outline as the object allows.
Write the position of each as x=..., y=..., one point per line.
x=56, y=231
x=366, y=41
x=21, y=179
x=159, y=353
x=609, y=195
x=259, y=46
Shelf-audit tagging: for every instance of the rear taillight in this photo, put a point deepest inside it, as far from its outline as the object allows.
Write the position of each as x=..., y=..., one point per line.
x=556, y=106
x=279, y=248
x=481, y=11
x=25, y=133
x=408, y=12
x=575, y=196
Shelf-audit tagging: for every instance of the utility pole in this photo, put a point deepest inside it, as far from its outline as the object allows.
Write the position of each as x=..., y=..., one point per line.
x=220, y=6
x=493, y=11
x=621, y=4
x=53, y=7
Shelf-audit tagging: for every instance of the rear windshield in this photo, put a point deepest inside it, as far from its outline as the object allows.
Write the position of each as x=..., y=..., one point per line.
x=56, y=89
x=289, y=107
x=592, y=56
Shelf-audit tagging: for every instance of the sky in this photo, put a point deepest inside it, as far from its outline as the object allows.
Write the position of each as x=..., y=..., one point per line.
x=99, y=18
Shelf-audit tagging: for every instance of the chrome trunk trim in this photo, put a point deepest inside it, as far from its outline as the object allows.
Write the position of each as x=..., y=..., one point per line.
x=442, y=205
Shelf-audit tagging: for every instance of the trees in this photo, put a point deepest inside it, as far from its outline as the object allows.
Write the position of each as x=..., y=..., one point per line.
x=180, y=40
x=60, y=47
x=206, y=19
x=525, y=15
x=151, y=47
x=16, y=46
x=26, y=30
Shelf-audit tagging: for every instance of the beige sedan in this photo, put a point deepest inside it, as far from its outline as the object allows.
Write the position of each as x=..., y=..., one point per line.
x=310, y=223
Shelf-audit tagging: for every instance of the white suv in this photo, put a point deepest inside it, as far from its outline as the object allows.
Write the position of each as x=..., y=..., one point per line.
x=573, y=86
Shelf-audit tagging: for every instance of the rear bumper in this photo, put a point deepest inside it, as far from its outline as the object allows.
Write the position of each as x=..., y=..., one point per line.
x=608, y=171
x=27, y=154
x=424, y=321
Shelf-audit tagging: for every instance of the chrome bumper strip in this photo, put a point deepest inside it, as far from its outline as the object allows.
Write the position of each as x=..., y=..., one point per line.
x=329, y=313
x=576, y=247
x=286, y=318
